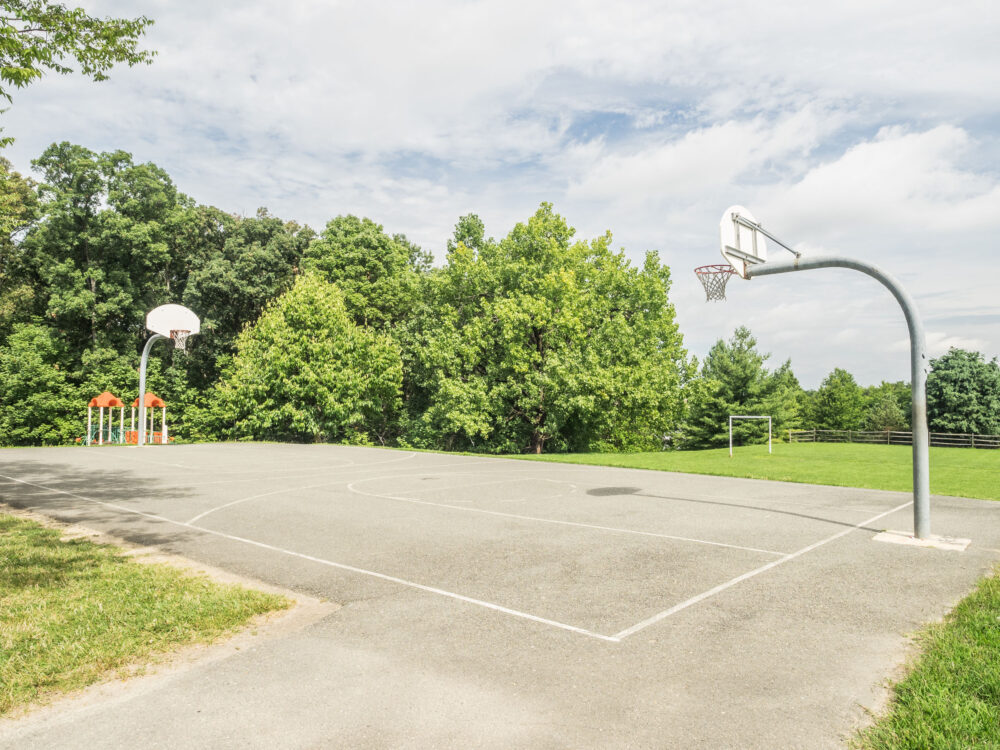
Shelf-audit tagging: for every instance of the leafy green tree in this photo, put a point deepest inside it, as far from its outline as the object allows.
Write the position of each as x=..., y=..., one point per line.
x=963, y=393
x=840, y=402
x=37, y=403
x=736, y=381
x=378, y=274
x=101, y=255
x=240, y=266
x=18, y=211
x=470, y=231
x=537, y=342
x=36, y=36
x=305, y=373
x=889, y=407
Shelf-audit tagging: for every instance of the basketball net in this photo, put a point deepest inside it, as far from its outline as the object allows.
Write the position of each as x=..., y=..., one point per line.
x=180, y=339
x=714, y=279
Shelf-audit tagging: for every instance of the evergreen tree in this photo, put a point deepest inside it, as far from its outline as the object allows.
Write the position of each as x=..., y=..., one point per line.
x=736, y=381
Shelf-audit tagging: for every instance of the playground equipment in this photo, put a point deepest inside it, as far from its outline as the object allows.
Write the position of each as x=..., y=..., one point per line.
x=109, y=401
x=151, y=402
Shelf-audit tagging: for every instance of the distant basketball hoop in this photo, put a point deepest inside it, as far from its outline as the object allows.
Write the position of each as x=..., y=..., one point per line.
x=175, y=322
x=714, y=279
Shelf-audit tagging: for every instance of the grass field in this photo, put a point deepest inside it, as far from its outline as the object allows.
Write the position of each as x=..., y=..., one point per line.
x=74, y=612
x=951, y=697
x=964, y=472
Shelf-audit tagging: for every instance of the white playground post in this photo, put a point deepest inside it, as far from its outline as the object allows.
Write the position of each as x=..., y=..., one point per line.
x=90, y=422
x=100, y=426
x=163, y=426
x=748, y=416
x=121, y=423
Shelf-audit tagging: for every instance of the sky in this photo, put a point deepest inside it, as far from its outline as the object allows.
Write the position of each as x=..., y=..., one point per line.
x=870, y=130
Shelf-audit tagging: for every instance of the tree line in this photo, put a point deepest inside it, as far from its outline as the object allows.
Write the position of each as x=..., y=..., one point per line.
x=537, y=341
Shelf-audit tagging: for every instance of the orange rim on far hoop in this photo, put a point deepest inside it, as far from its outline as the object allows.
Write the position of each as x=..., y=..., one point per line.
x=714, y=279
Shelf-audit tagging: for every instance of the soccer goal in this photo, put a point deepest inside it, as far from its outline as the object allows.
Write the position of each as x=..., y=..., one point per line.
x=748, y=416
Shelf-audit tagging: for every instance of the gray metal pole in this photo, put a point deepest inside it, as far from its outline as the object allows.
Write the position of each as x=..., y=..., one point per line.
x=141, y=437
x=918, y=369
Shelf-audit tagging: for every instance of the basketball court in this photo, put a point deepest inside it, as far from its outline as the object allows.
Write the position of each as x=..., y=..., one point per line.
x=497, y=603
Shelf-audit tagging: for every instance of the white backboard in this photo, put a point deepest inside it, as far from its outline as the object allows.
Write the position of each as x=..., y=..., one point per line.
x=167, y=318
x=740, y=244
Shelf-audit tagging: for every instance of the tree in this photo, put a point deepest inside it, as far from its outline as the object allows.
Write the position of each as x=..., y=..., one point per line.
x=839, y=403
x=305, y=373
x=100, y=256
x=537, y=342
x=963, y=393
x=37, y=403
x=889, y=406
x=377, y=273
x=36, y=35
x=241, y=265
x=18, y=211
x=736, y=381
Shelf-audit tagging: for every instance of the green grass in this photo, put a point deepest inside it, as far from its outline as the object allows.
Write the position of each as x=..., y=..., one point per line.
x=964, y=472
x=951, y=697
x=74, y=612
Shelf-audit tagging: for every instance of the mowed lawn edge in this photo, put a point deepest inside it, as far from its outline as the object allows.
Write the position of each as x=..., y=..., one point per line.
x=962, y=472
x=950, y=697
x=74, y=612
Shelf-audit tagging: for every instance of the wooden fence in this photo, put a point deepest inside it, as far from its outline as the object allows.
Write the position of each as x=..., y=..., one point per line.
x=893, y=437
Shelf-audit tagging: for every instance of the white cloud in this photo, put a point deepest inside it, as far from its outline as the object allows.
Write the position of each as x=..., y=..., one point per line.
x=899, y=179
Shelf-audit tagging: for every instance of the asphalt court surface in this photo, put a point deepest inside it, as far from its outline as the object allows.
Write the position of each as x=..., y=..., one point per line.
x=587, y=606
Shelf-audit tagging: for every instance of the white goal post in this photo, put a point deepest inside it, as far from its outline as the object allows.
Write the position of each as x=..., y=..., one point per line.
x=748, y=416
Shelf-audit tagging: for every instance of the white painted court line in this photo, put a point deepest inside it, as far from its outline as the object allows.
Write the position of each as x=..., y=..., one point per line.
x=756, y=571
x=539, y=519
x=285, y=490
x=330, y=563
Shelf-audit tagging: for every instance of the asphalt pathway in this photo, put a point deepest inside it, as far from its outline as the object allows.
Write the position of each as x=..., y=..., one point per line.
x=490, y=603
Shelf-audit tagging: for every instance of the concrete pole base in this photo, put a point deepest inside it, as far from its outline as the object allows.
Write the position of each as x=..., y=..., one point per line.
x=950, y=543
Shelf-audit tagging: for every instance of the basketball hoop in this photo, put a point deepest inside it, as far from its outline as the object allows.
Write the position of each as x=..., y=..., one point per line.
x=180, y=339
x=714, y=279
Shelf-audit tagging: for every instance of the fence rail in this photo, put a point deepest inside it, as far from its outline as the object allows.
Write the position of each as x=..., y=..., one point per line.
x=893, y=437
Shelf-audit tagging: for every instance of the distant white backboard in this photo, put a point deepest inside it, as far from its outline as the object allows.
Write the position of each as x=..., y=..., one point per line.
x=167, y=318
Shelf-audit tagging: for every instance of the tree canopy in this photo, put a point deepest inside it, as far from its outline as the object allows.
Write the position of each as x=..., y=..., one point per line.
x=304, y=372
x=536, y=341
x=840, y=403
x=963, y=393
x=36, y=36
x=376, y=273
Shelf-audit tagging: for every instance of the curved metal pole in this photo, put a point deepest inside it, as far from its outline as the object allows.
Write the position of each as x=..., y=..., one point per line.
x=918, y=369
x=141, y=437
